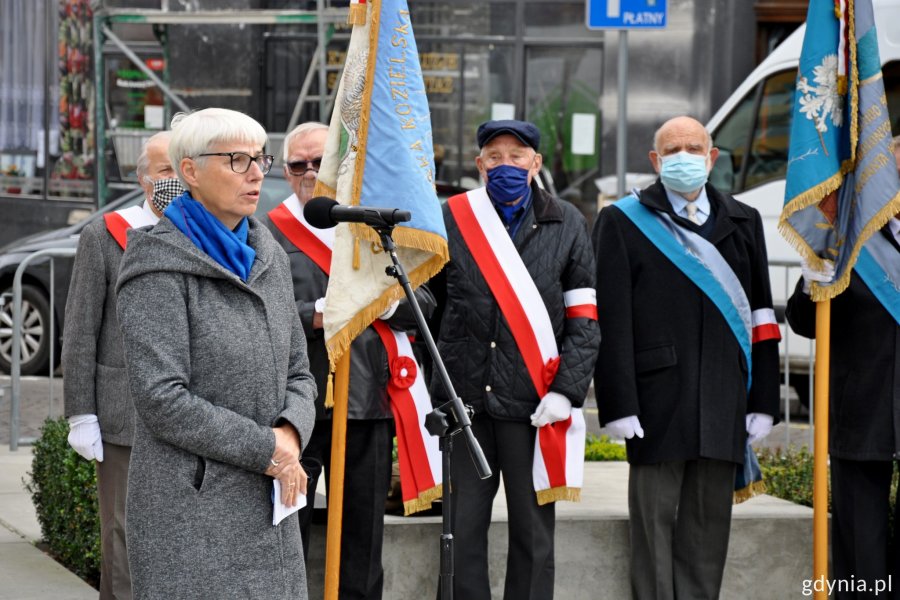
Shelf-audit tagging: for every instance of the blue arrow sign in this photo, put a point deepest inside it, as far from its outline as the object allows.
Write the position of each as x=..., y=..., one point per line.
x=626, y=14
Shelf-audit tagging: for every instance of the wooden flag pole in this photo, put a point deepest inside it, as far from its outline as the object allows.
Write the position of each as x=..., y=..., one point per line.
x=336, y=479
x=820, y=455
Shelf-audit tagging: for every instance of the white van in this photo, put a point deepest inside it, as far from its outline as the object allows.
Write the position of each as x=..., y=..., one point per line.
x=752, y=130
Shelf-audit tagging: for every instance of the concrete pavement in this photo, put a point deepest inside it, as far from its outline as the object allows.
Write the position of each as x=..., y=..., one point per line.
x=769, y=555
x=27, y=573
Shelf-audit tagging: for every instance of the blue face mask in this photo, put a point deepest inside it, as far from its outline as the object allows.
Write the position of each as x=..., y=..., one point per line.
x=683, y=172
x=507, y=183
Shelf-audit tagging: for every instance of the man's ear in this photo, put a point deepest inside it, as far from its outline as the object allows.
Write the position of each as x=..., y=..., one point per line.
x=654, y=160
x=479, y=164
x=713, y=155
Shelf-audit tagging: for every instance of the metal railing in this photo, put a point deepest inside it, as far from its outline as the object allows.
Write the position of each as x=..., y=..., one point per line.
x=16, y=347
x=804, y=350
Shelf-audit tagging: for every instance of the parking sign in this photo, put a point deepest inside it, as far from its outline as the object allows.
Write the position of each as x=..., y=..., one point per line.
x=626, y=14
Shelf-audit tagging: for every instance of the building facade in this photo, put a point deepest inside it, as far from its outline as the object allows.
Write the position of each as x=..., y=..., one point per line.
x=481, y=59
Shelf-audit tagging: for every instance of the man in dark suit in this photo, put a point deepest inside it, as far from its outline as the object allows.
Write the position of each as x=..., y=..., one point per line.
x=865, y=405
x=97, y=400
x=685, y=309
x=370, y=427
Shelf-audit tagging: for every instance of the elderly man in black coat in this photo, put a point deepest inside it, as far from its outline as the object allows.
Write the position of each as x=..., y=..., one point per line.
x=865, y=409
x=95, y=384
x=542, y=250
x=370, y=429
x=685, y=308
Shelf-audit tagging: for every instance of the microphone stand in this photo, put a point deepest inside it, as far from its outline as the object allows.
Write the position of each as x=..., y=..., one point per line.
x=445, y=421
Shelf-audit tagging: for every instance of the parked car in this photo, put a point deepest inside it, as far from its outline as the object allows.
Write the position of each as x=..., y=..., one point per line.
x=36, y=281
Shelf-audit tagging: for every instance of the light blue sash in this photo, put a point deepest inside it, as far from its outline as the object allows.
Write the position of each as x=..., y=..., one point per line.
x=702, y=263
x=879, y=267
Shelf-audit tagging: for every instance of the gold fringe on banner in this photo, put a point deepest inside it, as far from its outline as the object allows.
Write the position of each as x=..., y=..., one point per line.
x=405, y=237
x=853, y=82
x=818, y=292
x=357, y=14
x=329, y=390
x=362, y=131
x=341, y=340
x=556, y=494
x=757, y=488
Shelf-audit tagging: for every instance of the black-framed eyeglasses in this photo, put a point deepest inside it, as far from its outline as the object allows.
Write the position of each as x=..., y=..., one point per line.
x=300, y=167
x=241, y=161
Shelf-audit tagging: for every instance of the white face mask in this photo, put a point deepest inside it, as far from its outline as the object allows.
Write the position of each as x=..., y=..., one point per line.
x=684, y=172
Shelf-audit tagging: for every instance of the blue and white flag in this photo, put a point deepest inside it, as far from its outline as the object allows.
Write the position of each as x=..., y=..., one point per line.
x=379, y=153
x=842, y=183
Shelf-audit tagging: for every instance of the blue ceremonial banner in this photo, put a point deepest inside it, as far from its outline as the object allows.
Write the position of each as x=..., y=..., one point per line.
x=379, y=153
x=842, y=183
x=399, y=163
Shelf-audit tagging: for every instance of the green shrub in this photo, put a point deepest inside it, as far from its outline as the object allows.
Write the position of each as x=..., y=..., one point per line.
x=788, y=474
x=602, y=448
x=63, y=488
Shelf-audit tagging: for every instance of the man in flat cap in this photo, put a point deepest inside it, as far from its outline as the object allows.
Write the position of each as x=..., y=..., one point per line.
x=518, y=333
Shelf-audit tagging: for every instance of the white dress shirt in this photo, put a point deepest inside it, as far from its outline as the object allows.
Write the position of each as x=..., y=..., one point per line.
x=679, y=204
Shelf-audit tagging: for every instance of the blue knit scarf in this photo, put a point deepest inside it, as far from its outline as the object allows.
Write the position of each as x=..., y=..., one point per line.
x=226, y=247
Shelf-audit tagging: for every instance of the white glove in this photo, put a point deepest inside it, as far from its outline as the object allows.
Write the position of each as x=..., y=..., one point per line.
x=759, y=425
x=826, y=275
x=552, y=408
x=626, y=428
x=84, y=436
x=389, y=312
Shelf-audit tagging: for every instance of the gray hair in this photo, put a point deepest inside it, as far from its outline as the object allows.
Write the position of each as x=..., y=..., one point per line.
x=143, y=161
x=195, y=133
x=300, y=131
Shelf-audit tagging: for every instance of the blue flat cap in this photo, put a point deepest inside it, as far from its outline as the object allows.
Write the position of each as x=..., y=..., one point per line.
x=526, y=132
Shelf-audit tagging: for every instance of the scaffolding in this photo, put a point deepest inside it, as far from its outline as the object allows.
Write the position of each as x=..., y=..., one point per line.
x=127, y=142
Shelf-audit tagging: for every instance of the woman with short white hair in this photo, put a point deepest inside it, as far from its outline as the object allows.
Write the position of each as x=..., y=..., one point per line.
x=219, y=377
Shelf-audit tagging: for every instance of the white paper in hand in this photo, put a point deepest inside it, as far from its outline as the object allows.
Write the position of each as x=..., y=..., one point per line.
x=280, y=511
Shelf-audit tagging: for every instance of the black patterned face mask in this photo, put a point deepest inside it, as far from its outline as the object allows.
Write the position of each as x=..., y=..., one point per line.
x=164, y=191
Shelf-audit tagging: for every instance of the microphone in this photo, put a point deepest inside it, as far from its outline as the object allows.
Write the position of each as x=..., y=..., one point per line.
x=323, y=212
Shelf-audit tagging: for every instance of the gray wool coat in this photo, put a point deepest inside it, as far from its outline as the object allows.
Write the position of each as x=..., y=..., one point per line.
x=94, y=377
x=213, y=364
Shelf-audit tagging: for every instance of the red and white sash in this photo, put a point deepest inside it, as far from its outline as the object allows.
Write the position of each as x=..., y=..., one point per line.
x=119, y=222
x=417, y=450
x=314, y=242
x=558, y=468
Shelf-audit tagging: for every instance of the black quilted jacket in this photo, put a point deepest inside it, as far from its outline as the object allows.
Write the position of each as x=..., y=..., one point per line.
x=474, y=338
